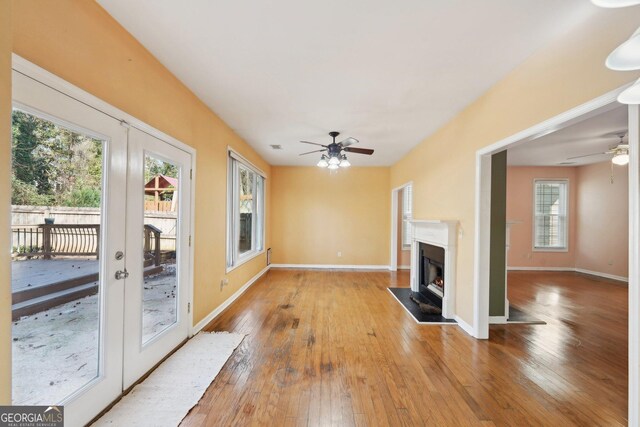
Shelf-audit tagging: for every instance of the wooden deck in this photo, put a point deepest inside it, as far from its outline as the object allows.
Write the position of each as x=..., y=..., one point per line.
x=39, y=272
x=335, y=348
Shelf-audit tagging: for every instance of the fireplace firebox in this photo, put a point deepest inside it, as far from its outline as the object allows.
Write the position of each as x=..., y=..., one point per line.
x=431, y=273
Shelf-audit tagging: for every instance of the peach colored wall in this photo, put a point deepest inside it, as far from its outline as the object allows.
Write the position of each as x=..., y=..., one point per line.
x=568, y=72
x=316, y=214
x=598, y=218
x=603, y=219
x=80, y=42
x=5, y=201
x=403, y=256
x=520, y=209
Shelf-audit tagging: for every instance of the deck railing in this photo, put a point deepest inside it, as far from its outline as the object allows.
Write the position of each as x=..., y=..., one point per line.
x=47, y=240
x=152, y=254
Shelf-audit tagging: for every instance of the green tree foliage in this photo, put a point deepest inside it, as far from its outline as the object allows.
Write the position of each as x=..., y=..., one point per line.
x=53, y=165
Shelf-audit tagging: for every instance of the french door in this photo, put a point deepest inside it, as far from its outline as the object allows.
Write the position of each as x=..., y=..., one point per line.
x=108, y=263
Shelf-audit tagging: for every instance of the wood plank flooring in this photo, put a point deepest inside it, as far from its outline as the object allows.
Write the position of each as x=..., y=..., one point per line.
x=335, y=348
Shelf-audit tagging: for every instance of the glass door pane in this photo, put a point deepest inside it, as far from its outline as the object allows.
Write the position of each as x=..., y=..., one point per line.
x=56, y=197
x=246, y=183
x=161, y=217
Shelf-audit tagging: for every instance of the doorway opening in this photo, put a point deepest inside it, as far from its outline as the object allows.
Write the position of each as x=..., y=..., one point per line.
x=549, y=227
x=401, y=216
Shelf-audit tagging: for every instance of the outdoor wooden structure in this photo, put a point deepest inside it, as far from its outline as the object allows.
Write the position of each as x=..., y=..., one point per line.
x=47, y=240
x=158, y=186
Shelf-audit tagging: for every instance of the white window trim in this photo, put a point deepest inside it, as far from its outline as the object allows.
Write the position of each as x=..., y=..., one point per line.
x=233, y=207
x=565, y=248
x=404, y=221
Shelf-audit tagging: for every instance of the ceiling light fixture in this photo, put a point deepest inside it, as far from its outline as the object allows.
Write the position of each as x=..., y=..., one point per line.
x=344, y=162
x=334, y=160
x=322, y=163
x=620, y=159
x=615, y=3
x=630, y=95
x=626, y=57
x=333, y=167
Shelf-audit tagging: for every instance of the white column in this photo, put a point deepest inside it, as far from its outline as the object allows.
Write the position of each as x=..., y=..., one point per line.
x=634, y=264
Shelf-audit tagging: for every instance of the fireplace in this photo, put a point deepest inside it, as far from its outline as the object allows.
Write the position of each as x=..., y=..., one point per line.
x=433, y=262
x=431, y=274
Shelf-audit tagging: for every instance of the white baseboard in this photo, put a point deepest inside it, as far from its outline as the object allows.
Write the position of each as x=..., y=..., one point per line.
x=572, y=269
x=605, y=275
x=465, y=326
x=331, y=266
x=216, y=312
x=497, y=320
x=541, y=269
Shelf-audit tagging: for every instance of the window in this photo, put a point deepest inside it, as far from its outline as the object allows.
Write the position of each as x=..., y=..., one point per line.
x=407, y=202
x=245, y=228
x=550, y=215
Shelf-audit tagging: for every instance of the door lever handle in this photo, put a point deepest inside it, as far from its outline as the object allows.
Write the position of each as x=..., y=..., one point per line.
x=120, y=274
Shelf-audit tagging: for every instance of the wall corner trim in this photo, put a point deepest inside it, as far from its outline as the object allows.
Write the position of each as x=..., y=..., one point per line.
x=219, y=309
x=466, y=327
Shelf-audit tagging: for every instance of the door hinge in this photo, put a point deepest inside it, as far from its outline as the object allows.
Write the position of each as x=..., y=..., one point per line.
x=190, y=173
x=188, y=307
x=189, y=239
x=125, y=124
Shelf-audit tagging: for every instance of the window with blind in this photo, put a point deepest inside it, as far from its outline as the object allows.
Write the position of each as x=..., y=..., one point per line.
x=407, y=203
x=550, y=215
x=245, y=218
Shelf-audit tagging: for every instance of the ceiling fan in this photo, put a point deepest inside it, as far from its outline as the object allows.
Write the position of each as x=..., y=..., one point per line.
x=620, y=153
x=334, y=156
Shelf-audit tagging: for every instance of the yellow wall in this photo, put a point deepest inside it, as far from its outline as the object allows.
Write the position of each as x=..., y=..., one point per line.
x=316, y=214
x=5, y=201
x=79, y=42
x=568, y=73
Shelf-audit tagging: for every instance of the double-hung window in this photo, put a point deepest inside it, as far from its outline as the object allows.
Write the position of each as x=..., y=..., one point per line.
x=407, y=203
x=550, y=230
x=245, y=218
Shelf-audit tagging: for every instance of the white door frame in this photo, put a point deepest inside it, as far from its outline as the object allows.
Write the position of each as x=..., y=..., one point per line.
x=483, y=220
x=37, y=73
x=393, y=259
x=32, y=70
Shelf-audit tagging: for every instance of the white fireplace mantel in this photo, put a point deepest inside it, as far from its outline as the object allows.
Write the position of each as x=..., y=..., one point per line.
x=444, y=234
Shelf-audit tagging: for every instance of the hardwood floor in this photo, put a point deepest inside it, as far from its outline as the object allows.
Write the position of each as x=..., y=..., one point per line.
x=335, y=348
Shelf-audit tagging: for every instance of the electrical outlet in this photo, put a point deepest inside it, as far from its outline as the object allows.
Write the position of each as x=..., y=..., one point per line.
x=224, y=282
x=339, y=254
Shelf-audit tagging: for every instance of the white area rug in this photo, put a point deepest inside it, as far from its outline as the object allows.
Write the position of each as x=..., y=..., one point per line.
x=167, y=395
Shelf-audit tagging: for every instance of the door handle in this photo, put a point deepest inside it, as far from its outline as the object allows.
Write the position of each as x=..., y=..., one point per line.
x=120, y=274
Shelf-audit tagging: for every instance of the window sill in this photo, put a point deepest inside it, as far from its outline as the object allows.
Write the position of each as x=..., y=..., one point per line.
x=550, y=249
x=244, y=260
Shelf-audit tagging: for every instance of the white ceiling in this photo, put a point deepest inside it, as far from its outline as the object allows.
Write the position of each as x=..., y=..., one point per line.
x=387, y=73
x=593, y=135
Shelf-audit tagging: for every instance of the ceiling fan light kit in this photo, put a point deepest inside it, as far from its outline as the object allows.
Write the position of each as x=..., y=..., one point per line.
x=630, y=95
x=615, y=3
x=620, y=159
x=626, y=57
x=334, y=157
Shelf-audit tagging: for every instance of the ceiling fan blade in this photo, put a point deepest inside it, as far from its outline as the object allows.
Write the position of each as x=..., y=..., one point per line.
x=309, y=152
x=347, y=142
x=586, y=155
x=367, y=151
x=313, y=143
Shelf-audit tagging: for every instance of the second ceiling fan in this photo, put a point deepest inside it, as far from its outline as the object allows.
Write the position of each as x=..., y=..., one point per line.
x=334, y=157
